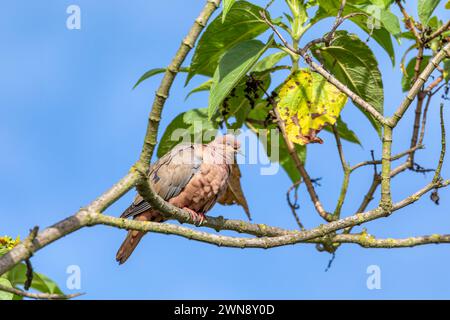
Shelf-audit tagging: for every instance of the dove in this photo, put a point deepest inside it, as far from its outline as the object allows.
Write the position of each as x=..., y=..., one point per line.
x=191, y=176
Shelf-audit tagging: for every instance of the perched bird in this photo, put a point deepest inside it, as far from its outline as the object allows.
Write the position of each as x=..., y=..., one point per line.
x=191, y=177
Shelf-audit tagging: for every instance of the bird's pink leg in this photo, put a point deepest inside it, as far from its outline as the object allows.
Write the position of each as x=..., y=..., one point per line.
x=198, y=218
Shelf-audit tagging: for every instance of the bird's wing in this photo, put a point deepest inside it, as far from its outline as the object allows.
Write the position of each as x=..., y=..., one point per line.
x=169, y=175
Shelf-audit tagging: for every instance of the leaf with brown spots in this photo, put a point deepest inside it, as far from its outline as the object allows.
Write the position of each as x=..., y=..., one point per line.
x=234, y=193
x=307, y=103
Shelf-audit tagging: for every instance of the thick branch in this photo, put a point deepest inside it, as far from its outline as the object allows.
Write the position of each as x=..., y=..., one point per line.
x=267, y=239
x=290, y=237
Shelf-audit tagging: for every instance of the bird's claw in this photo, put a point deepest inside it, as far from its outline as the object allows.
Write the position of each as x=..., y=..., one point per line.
x=198, y=218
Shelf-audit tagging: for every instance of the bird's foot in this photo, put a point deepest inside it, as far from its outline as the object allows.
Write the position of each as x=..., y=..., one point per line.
x=198, y=218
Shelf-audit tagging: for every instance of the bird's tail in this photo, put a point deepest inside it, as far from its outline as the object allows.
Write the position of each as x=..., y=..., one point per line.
x=133, y=237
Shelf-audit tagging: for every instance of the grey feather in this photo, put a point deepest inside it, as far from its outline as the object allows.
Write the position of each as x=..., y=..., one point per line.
x=169, y=175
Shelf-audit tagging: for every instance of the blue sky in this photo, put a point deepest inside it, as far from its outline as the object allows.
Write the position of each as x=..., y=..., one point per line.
x=70, y=126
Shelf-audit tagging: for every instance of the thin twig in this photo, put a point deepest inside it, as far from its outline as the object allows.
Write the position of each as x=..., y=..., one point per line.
x=437, y=175
x=29, y=274
x=347, y=172
x=337, y=137
x=301, y=169
x=294, y=204
x=439, y=31
x=433, y=84
x=298, y=162
x=408, y=22
x=39, y=296
x=393, y=158
x=424, y=121
x=416, y=126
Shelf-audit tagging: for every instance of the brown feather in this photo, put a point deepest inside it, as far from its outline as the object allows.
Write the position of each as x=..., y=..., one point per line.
x=133, y=237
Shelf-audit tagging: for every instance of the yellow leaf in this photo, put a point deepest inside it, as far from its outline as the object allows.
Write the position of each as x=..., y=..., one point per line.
x=307, y=103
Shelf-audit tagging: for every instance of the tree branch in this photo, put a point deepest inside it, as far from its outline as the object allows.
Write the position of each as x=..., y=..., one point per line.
x=393, y=158
x=270, y=236
x=423, y=77
x=267, y=239
x=438, y=32
x=437, y=174
x=347, y=172
x=408, y=22
x=39, y=296
x=386, y=197
x=301, y=169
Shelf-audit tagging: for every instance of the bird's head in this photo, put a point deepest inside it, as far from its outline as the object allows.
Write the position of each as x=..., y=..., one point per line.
x=229, y=141
x=226, y=145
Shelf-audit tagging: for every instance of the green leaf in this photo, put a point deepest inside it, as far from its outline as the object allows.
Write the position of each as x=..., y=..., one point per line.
x=227, y=4
x=407, y=35
x=425, y=9
x=409, y=76
x=17, y=276
x=3, y=294
x=352, y=62
x=192, y=124
x=381, y=35
x=243, y=23
x=205, y=86
x=152, y=72
x=344, y=132
x=387, y=18
x=385, y=4
x=269, y=62
x=434, y=23
x=233, y=66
